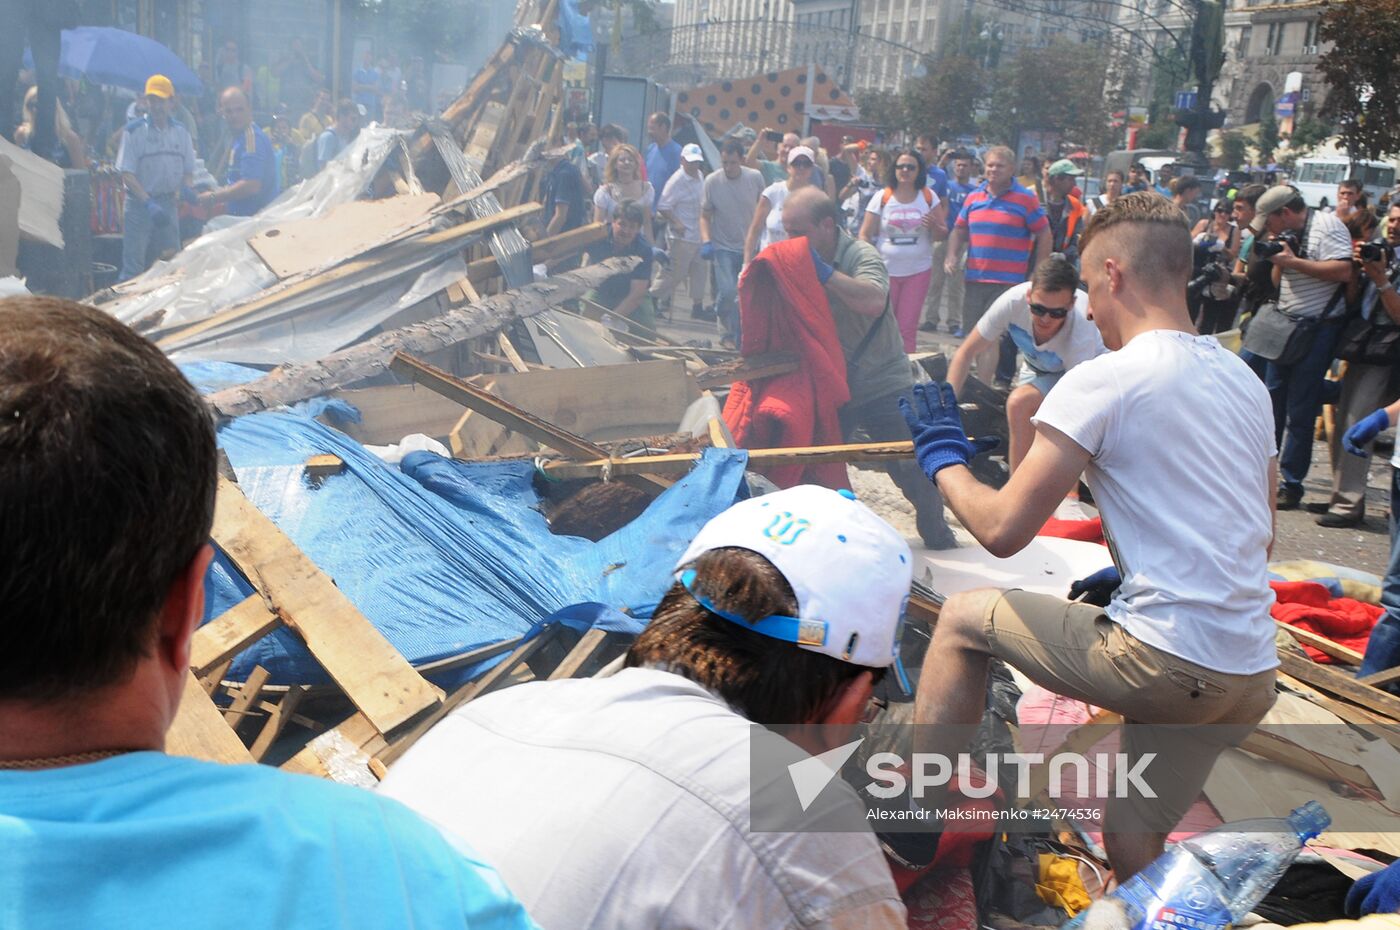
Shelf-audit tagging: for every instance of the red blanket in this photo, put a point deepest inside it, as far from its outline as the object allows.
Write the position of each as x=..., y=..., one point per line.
x=782, y=307
x=1310, y=606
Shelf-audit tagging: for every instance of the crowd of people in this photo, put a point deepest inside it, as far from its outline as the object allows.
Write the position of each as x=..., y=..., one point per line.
x=283, y=117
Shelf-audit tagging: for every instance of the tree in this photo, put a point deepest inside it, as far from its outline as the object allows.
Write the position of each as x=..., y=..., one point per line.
x=445, y=26
x=943, y=101
x=1268, y=137
x=1364, y=96
x=1075, y=103
x=1233, y=150
x=883, y=108
x=1307, y=135
x=1158, y=136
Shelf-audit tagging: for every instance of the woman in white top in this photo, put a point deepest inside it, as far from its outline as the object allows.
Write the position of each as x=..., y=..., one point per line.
x=1112, y=190
x=622, y=181
x=903, y=221
x=767, y=225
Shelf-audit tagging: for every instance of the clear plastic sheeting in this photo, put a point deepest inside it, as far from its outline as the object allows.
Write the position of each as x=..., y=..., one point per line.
x=220, y=268
x=324, y=326
x=444, y=556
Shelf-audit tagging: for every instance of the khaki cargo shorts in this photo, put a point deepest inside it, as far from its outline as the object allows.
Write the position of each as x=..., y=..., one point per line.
x=1185, y=713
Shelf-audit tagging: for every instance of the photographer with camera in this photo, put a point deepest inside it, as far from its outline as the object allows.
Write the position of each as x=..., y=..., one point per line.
x=1210, y=297
x=1311, y=255
x=1370, y=345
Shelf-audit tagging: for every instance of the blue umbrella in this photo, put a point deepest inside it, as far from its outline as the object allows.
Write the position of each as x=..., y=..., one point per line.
x=104, y=55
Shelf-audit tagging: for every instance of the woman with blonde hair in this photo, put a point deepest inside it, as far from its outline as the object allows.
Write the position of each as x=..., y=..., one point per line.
x=71, y=151
x=622, y=181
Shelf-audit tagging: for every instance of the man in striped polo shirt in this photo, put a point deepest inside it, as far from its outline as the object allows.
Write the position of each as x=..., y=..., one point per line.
x=1001, y=223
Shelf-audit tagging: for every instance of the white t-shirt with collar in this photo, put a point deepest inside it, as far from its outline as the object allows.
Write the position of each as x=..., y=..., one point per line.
x=1180, y=434
x=624, y=803
x=1077, y=341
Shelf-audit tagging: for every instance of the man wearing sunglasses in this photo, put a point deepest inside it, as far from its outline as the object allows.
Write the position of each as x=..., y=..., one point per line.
x=1047, y=318
x=628, y=799
x=1173, y=435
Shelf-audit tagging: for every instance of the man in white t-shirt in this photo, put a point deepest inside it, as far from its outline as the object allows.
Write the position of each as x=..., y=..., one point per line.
x=679, y=209
x=1048, y=319
x=1172, y=433
x=1312, y=286
x=625, y=802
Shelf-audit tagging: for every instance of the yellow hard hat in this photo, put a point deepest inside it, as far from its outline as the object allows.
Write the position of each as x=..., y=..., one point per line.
x=158, y=85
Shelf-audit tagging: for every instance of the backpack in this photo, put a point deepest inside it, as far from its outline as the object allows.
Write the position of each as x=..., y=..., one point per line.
x=889, y=192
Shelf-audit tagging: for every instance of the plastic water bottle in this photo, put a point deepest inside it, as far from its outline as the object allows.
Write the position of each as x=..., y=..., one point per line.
x=1212, y=880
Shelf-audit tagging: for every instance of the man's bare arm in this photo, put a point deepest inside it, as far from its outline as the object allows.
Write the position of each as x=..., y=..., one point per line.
x=1006, y=520
x=972, y=348
x=863, y=297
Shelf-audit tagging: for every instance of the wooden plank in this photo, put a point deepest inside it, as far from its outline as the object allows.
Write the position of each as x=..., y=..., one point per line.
x=1322, y=644
x=751, y=368
x=375, y=677
x=1376, y=679
x=366, y=261
x=247, y=697
x=199, y=730
x=546, y=250
x=277, y=719
x=1277, y=749
x=758, y=458
x=213, y=679
x=323, y=466
x=230, y=633
x=292, y=383
x=488, y=405
x=585, y=649
x=302, y=245
x=1340, y=684
x=508, y=350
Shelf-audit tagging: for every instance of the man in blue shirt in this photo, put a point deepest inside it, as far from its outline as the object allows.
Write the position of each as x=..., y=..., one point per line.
x=107, y=482
x=364, y=86
x=156, y=160
x=334, y=140
x=927, y=146
x=251, y=175
x=663, y=155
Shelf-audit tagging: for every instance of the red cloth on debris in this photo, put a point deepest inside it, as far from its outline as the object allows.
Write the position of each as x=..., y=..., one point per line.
x=1310, y=606
x=783, y=307
x=1082, y=530
x=959, y=842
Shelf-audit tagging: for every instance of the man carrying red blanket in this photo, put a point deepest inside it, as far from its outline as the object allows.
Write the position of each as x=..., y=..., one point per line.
x=878, y=373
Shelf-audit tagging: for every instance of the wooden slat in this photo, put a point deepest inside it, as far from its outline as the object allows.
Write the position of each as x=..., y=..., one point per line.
x=374, y=676
x=1277, y=749
x=1376, y=679
x=584, y=650
x=1340, y=684
x=277, y=719
x=272, y=297
x=1323, y=644
x=543, y=251
x=230, y=633
x=247, y=697
x=752, y=368
x=508, y=350
x=758, y=458
x=199, y=729
x=213, y=679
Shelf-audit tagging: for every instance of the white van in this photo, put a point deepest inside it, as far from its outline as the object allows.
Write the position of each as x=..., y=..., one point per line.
x=1317, y=178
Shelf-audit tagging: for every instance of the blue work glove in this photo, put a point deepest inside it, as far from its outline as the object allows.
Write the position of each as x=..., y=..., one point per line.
x=1364, y=430
x=1098, y=588
x=189, y=195
x=936, y=425
x=157, y=213
x=1377, y=893
x=660, y=256
x=824, y=269
x=707, y=250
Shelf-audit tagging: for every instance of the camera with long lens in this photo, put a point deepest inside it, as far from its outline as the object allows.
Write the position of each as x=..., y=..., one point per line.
x=1270, y=248
x=1372, y=252
x=1213, y=279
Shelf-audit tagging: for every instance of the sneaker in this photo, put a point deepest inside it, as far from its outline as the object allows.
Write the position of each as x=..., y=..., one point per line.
x=1001, y=384
x=699, y=312
x=1339, y=520
x=1288, y=498
x=957, y=332
x=1317, y=506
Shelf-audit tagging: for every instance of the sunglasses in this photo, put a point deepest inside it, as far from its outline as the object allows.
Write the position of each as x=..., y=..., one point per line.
x=906, y=167
x=1054, y=313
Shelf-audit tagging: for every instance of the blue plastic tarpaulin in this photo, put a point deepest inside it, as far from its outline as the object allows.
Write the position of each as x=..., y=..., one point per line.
x=445, y=556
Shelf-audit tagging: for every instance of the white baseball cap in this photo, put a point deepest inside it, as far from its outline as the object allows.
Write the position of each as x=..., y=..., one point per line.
x=849, y=569
x=797, y=151
x=692, y=152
